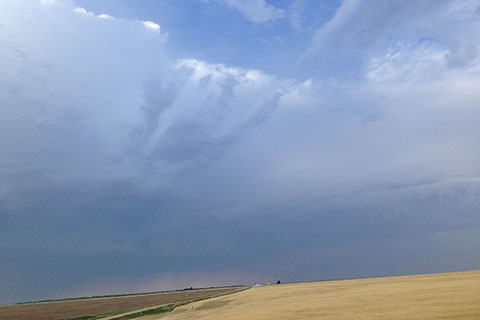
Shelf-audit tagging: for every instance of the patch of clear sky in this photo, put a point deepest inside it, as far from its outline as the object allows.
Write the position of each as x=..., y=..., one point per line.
x=218, y=34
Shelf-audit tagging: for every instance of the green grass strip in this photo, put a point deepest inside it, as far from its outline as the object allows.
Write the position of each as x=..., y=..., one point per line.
x=102, y=315
x=151, y=312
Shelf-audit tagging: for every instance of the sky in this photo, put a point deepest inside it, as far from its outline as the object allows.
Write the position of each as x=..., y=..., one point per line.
x=159, y=144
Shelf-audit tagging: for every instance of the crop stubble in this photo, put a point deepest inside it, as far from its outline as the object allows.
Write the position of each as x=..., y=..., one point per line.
x=68, y=309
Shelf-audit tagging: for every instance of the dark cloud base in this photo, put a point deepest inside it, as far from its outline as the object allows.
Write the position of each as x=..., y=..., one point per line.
x=64, y=236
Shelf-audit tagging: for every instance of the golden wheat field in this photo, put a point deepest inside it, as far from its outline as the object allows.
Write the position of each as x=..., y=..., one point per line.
x=434, y=296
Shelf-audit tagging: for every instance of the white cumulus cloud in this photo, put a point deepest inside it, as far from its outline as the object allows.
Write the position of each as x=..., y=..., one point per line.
x=104, y=16
x=151, y=25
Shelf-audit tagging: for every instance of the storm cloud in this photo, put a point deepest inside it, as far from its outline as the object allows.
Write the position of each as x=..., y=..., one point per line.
x=125, y=166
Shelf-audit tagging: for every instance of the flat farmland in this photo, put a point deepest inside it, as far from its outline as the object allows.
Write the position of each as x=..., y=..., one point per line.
x=434, y=296
x=70, y=309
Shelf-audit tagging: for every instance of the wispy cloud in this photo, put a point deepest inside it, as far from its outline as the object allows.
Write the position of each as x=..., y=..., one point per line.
x=258, y=11
x=295, y=11
x=363, y=26
x=217, y=106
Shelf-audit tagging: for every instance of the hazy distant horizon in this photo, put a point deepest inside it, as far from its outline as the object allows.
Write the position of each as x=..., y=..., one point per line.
x=257, y=283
